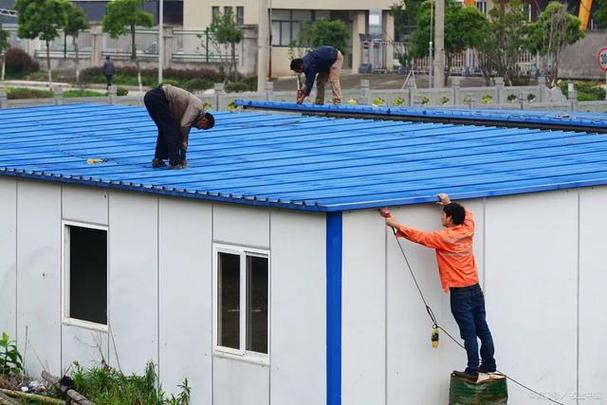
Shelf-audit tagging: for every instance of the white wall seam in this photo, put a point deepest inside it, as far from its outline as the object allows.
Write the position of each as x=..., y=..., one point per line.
x=158, y=290
x=61, y=286
x=108, y=261
x=484, y=240
x=270, y=308
x=16, y=261
x=577, y=335
x=385, y=315
x=211, y=318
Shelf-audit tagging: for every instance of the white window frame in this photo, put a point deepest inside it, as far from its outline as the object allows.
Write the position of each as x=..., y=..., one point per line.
x=242, y=353
x=65, y=265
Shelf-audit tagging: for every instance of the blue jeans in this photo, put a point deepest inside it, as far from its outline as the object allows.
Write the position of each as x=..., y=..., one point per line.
x=468, y=309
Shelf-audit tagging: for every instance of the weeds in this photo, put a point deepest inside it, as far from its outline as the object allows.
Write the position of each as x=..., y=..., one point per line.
x=106, y=385
x=11, y=361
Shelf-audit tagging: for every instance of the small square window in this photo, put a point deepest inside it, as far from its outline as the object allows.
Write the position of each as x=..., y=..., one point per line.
x=86, y=274
x=242, y=296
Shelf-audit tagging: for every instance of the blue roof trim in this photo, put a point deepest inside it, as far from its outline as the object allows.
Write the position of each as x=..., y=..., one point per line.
x=591, y=121
x=298, y=162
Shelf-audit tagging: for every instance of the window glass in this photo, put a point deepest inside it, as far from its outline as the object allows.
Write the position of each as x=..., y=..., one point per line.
x=285, y=33
x=257, y=304
x=229, y=300
x=240, y=15
x=88, y=274
x=275, y=33
x=302, y=15
x=281, y=15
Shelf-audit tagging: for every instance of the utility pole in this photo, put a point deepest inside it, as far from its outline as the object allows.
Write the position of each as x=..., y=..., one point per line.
x=431, y=48
x=160, y=40
x=262, y=45
x=439, y=44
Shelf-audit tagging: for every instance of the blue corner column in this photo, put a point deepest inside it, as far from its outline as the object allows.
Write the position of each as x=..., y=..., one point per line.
x=333, y=268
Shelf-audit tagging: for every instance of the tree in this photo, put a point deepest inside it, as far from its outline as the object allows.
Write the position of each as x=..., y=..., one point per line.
x=122, y=17
x=600, y=15
x=226, y=33
x=41, y=19
x=323, y=32
x=503, y=40
x=555, y=28
x=464, y=28
x=75, y=22
x=3, y=47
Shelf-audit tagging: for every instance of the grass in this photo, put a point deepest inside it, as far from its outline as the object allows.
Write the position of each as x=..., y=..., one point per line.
x=106, y=385
x=83, y=93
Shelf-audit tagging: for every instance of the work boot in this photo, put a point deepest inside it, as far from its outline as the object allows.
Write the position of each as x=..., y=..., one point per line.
x=158, y=163
x=178, y=165
x=487, y=368
x=465, y=376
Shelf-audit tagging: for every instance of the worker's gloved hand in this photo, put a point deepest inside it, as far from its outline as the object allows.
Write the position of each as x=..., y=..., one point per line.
x=443, y=199
x=300, y=96
x=385, y=212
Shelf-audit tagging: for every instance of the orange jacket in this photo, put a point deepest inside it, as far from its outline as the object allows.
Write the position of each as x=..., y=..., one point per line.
x=456, y=264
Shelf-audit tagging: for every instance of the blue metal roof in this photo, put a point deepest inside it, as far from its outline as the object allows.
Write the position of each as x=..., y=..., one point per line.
x=592, y=122
x=298, y=162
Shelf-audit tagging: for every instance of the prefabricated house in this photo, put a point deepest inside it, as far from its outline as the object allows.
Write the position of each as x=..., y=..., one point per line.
x=263, y=273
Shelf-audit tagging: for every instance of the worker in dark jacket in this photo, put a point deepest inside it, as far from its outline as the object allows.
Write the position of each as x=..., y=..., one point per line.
x=108, y=71
x=322, y=64
x=175, y=111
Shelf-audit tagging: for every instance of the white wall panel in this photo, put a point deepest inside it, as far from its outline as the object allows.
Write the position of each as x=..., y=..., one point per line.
x=85, y=204
x=413, y=365
x=363, y=309
x=186, y=296
x=298, y=310
x=86, y=346
x=531, y=266
x=38, y=275
x=240, y=383
x=8, y=257
x=240, y=225
x=593, y=300
x=133, y=280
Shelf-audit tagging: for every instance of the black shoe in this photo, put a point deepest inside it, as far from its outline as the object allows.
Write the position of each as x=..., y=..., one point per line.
x=486, y=369
x=158, y=163
x=465, y=376
x=178, y=165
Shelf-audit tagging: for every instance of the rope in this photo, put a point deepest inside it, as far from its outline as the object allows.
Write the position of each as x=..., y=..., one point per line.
x=456, y=341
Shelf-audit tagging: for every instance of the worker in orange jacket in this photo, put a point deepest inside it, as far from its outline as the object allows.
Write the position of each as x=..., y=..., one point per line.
x=458, y=275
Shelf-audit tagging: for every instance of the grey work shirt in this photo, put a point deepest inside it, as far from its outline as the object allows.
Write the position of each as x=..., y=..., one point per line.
x=186, y=108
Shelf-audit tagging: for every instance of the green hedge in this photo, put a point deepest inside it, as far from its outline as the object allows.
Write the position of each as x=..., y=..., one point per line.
x=17, y=93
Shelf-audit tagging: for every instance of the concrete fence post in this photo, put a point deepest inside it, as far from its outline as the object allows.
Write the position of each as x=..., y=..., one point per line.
x=456, y=87
x=365, y=91
x=112, y=94
x=542, y=89
x=571, y=95
x=58, y=95
x=521, y=100
x=269, y=91
x=3, y=98
x=219, y=96
x=499, y=90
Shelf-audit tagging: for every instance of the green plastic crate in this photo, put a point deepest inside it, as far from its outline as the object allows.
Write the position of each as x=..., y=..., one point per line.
x=488, y=392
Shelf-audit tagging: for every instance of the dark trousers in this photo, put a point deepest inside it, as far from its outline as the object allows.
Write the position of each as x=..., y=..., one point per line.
x=167, y=143
x=109, y=80
x=468, y=309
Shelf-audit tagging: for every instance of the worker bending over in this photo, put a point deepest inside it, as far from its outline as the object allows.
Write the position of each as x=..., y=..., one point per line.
x=459, y=276
x=326, y=62
x=174, y=112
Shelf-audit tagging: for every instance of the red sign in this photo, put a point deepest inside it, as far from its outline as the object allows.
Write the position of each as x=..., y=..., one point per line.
x=603, y=59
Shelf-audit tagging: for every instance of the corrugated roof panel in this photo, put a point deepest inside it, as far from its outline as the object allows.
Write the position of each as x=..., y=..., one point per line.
x=298, y=162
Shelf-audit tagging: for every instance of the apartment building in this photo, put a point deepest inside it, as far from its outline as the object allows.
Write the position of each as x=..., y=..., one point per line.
x=366, y=22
